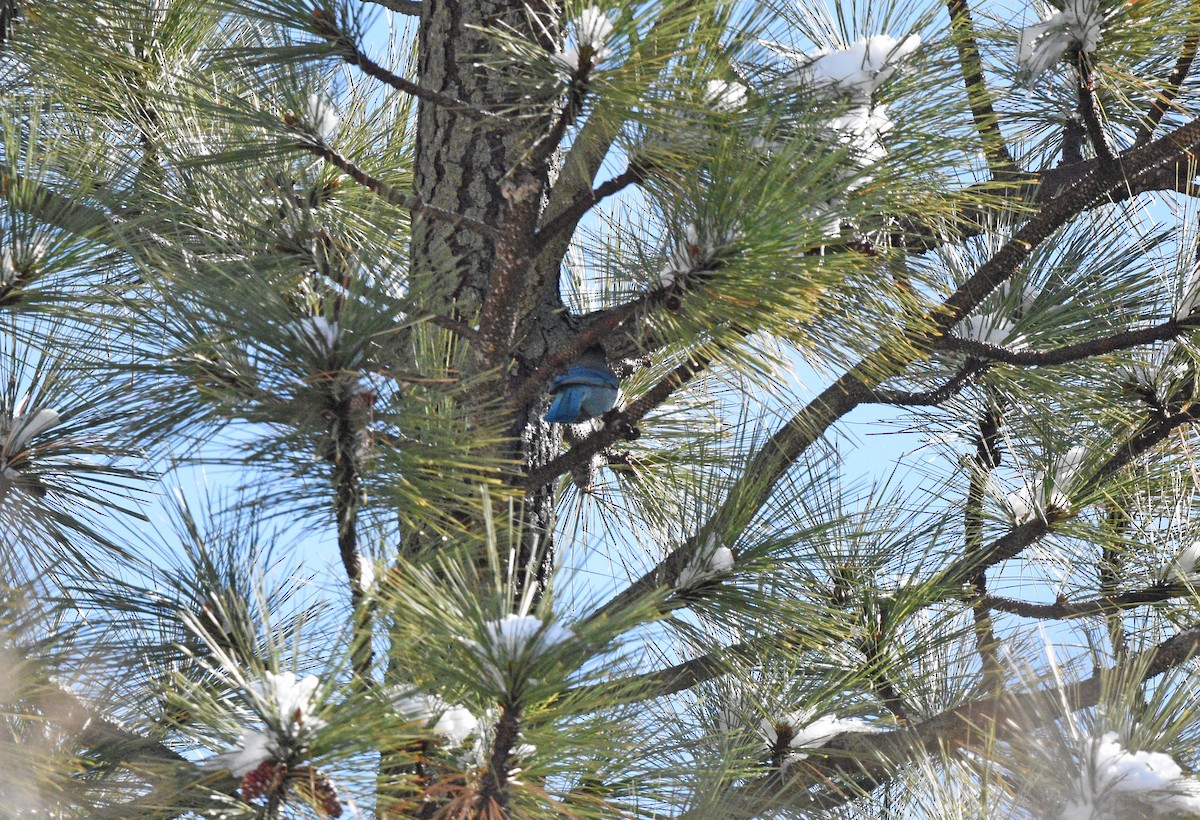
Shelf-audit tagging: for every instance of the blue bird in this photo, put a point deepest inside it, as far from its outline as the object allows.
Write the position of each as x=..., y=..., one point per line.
x=588, y=389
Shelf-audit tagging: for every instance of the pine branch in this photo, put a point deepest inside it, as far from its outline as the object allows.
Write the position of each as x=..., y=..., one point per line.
x=999, y=159
x=345, y=47
x=568, y=218
x=54, y=208
x=1079, y=351
x=855, y=762
x=390, y=194
x=985, y=460
x=1183, y=66
x=1089, y=109
x=1022, y=535
x=1156, y=593
x=935, y=396
x=857, y=385
x=593, y=141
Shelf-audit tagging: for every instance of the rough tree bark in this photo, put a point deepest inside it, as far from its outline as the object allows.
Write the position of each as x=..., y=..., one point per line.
x=472, y=167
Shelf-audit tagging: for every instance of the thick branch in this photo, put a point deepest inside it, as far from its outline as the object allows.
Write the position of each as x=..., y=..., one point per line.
x=409, y=7
x=1171, y=90
x=986, y=123
x=1089, y=109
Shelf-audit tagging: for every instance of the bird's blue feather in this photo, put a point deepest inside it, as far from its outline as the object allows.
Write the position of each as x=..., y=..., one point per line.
x=565, y=408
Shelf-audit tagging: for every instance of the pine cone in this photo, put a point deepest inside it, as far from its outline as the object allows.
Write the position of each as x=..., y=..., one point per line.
x=319, y=790
x=267, y=778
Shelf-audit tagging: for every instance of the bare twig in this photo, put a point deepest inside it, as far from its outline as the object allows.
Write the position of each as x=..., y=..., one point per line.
x=934, y=396
x=1125, y=340
x=1107, y=605
x=382, y=189
x=567, y=218
x=349, y=51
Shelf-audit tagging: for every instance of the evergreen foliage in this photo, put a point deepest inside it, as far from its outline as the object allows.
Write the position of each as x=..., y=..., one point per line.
x=335, y=256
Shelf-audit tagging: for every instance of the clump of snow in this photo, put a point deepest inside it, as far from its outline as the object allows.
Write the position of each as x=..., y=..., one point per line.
x=991, y=329
x=453, y=722
x=1021, y=302
x=366, y=573
x=257, y=748
x=1186, y=566
x=1189, y=295
x=20, y=258
x=1045, y=493
x=711, y=561
x=723, y=96
x=1114, y=778
x=316, y=332
x=591, y=30
x=800, y=731
x=517, y=635
x=23, y=426
x=856, y=72
x=320, y=116
x=18, y=429
x=852, y=74
x=1150, y=371
x=860, y=69
x=1077, y=27
x=694, y=252
x=286, y=706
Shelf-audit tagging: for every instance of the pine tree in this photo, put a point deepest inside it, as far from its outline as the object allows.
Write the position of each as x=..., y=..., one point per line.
x=374, y=269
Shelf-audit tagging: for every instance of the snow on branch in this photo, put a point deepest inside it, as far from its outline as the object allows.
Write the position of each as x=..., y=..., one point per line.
x=1077, y=27
x=591, y=31
x=1116, y=782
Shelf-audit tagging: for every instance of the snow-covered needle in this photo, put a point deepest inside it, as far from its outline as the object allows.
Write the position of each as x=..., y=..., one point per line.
x=711, y=561
x=991, y=329
x=316, y=332
x=1186, y=566
x=454, y=723
x=591, y=30
x=1047, y=491
x=320, y=117
x=723, y=96
x=1149, y=783
x=798, y=730
x=1078, y=26
x=860, y=68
